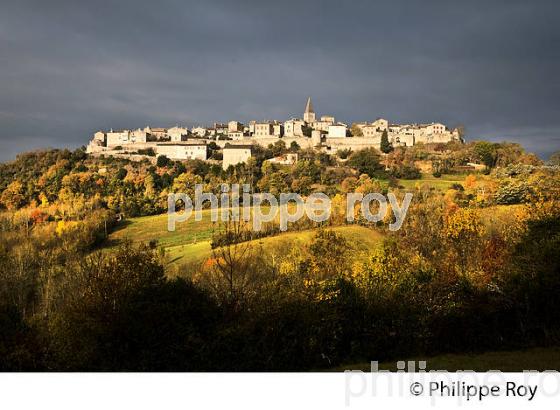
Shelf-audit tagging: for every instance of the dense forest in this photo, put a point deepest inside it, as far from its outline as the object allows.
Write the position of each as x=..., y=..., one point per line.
x=475, y=266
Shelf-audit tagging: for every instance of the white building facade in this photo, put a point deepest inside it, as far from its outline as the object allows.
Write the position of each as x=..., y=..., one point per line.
x=182, y=151
x=236, y=154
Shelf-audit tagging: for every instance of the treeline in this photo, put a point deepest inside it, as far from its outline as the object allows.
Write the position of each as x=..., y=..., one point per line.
x=59, y=178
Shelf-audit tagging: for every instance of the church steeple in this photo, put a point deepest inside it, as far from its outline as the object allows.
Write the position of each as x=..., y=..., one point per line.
x=309, y=114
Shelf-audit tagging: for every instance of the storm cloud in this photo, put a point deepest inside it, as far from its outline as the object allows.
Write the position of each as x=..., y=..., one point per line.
x=69, y=68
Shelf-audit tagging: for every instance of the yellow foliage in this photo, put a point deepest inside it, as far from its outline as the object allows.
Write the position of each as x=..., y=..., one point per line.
x=464, y=223
x=63, y=227
x=44, y=200
x=470, y=181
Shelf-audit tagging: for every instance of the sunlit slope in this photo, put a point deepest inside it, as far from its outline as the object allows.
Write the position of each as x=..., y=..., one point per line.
x=190, y=242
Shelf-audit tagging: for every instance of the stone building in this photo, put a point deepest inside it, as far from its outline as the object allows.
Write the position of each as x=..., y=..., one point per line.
x=177, y=133
x=116, y=138
x=200, y=131
x=324, y=123
x=370, y=131
x=375, y=129
x=157, y=133
x=294, y=128
x=138, y=136
x=252, y=127
x=220, y=129
x=338, y=131
x=316, y=137
x=263, y=129
x=381, y=124
x=234, y=126
x=183, y=150
x=97, y=143
x=406, y=136
x=235, y=154
x=100, y=136
x=236, y=135
x=278, y=129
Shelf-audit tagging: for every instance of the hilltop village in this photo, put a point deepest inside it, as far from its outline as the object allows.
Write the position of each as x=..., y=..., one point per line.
x=236, y=139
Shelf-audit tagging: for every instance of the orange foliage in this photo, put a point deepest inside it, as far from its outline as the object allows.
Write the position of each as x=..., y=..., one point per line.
x=470, y=181
x=38, y=216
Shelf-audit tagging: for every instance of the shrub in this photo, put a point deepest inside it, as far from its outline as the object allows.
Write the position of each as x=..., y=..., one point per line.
x=511, y=192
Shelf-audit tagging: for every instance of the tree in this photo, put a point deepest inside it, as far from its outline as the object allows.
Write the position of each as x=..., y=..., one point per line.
x=486, y=153
x=232, y=269
x=386, y=146
x=279, y=148
x=302, y=185
x=115, y=308
x=294, y=147
x=274, y=182
x=162, y=161
x=185, y=183
x=366, y=161
x=464, y=230
x=12, y=197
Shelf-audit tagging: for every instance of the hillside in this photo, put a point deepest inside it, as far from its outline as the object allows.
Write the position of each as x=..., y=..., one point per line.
x=190, y=242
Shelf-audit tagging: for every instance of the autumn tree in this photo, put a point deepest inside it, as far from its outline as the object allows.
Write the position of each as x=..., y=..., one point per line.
x=185, y=183
x=13, y=196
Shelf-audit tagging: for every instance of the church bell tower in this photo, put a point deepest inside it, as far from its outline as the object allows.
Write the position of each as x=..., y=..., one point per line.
x=309, y=114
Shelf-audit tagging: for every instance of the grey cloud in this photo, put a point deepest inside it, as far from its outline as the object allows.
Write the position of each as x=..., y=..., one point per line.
x=68, y=68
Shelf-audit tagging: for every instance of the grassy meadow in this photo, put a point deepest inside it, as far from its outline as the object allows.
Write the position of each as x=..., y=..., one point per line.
x=442, y=183
x=190, y=242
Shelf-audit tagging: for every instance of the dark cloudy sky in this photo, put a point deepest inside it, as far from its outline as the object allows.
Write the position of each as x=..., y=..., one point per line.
x=70, y=67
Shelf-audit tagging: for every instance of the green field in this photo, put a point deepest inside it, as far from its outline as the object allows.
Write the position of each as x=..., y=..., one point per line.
x=361, y=239
x=539, y=359
x=147, y=228
x=443, y=183
x=190, y=242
